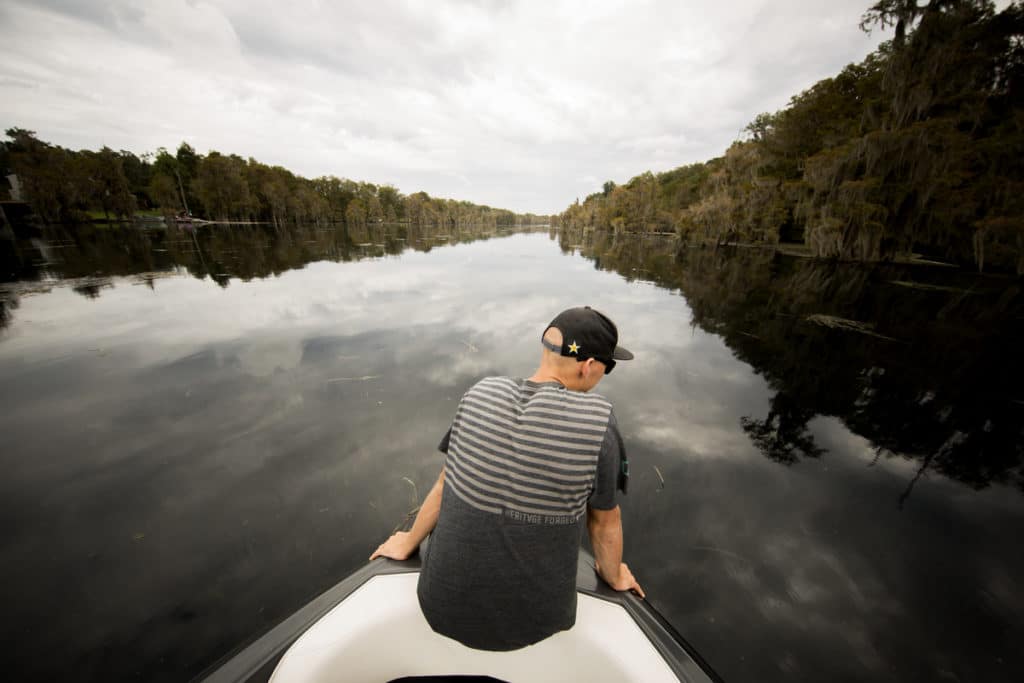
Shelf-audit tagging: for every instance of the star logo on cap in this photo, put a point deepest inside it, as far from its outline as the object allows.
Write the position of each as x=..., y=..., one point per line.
x=574, y=348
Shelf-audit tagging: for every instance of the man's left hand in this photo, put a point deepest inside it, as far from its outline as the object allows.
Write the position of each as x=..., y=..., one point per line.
x=399, y=547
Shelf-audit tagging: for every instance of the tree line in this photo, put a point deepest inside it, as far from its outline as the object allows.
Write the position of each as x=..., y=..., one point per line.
x=66, y=186
x=916, y=149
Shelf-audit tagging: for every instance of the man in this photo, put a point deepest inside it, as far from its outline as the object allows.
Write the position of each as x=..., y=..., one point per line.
x=527, y=461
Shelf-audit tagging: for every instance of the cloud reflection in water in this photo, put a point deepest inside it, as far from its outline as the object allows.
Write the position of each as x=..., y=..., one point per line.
x=188, y=464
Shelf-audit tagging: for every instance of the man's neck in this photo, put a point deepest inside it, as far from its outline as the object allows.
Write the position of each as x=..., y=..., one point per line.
x=546, y=375
x=541, y=377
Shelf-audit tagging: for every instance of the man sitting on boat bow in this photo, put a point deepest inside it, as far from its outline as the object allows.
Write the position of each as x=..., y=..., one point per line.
x=526, y=462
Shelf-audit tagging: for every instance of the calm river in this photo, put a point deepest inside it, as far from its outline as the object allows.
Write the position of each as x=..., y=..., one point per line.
x=202, y=431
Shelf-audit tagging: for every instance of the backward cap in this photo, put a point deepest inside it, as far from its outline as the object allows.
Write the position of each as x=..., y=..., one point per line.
x=588, y=333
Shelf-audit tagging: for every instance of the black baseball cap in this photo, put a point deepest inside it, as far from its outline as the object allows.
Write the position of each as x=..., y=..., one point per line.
x=587, y=333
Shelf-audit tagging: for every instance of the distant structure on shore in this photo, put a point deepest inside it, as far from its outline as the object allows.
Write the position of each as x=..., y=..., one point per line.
x=15, y=190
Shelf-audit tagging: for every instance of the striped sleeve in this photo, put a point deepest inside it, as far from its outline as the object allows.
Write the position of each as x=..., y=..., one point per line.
x=605, y=495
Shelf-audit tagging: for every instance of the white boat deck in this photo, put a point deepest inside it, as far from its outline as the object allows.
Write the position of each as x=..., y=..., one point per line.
x=378, y=634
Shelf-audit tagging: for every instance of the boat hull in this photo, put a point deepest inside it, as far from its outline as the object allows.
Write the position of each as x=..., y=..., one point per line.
x=369, y=628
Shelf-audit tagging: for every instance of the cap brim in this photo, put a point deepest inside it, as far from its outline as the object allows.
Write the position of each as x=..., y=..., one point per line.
x=622, y=354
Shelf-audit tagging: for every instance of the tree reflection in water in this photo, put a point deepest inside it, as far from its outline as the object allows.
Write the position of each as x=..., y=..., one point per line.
x=783, y=435
x=87, y=256
x=924, y=362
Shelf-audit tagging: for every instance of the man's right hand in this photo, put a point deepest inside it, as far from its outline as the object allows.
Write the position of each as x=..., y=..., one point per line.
x=622, y=581
x=400, y=546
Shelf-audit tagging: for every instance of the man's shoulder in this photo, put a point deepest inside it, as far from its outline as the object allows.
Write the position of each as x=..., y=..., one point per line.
x=500, y=379
x=518, y=386
x=600, y=398
x=588, y=405
x=494, y=385
x=497, y=381
x=591, y=397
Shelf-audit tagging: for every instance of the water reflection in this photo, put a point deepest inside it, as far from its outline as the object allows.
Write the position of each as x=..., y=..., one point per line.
x=186, y=463
x=87, y=257
x=921, y=361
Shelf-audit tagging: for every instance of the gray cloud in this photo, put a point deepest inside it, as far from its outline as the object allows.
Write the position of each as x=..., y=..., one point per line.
x=113, y=15
x=519, y=105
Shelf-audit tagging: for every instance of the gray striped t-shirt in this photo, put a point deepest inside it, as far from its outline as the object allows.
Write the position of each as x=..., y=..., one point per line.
x=524, y=460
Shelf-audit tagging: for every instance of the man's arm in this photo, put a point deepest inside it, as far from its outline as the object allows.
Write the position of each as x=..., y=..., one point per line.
x=605, y=527
x=404, y=543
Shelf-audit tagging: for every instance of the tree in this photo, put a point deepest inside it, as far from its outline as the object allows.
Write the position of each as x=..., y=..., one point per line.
x=162, y=191
x=900, y=14
x=391, y=203
x=165, y=189
x=355, y=214
x=105, y=183
x=220, y=184
x=138, y=172
x=188, y=169
x=50, y=176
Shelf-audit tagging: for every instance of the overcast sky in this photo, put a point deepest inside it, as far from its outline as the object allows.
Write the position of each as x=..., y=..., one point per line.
x=519, y=105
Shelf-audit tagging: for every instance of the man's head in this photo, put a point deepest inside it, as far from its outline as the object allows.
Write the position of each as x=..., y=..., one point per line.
x=581, y=346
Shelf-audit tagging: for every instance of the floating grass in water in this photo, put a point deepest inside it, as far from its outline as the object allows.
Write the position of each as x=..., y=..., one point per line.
x=925, y=287
x=837, y=323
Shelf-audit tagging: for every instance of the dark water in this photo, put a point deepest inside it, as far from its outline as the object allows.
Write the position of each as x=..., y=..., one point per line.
x=203, y=431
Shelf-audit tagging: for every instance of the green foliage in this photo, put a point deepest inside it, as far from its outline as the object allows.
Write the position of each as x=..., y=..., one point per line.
x=66, y=186
x=917, y=149
x=31, y=158
x=221, y=186
x=137, y=174
x=54, y=179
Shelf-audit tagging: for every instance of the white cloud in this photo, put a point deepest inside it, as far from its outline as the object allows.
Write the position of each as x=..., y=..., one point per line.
x=516, y=105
